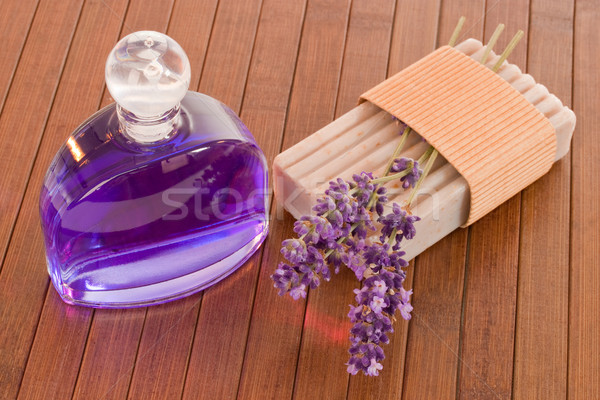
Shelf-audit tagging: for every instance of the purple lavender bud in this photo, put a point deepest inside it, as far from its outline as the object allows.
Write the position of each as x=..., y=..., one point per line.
x=374, y=368
x=284, y=277
x=403, y=164
x=397, y=261
x=364, y=188
x=377, y=304
x=303, y=229
x=310, y=278
x=294, y=250
x=298, y=291
x=405, y=295
x=354, y=262
x=336, y=256
x=355, y=312
x=322, y=226
x=352, y=369
x=324, y=204
x=377, y=254
x=336, y=219
x=405, y=310
x=379, y=287
x=401, y=221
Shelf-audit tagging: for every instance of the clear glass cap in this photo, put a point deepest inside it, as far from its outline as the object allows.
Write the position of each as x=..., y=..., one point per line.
x=147, y=73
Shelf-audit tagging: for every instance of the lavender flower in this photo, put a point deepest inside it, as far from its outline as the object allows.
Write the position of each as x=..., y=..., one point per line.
x=398, y=222
x=380, y=297
x=294, y=250
x=403, y=164
x=337, y=235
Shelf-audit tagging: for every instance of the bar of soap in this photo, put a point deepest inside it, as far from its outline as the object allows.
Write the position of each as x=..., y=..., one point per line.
x=364, y=139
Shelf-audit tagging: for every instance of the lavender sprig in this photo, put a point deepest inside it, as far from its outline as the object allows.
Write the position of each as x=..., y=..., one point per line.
x=380, y=297
x=336, y=235
x=339, y=235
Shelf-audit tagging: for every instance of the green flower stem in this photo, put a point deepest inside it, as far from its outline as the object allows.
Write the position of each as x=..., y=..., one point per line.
x=425, y=155
x=456, y=32
x=397, y=151
x=392, y=177
x=492, y=42
x=509, y=48
x=392, y=238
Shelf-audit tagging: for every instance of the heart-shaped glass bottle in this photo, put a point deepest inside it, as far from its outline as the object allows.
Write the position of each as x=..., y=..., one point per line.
x=155, y=197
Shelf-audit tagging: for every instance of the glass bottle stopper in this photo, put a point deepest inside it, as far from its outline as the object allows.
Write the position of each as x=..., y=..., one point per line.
x=148, y=74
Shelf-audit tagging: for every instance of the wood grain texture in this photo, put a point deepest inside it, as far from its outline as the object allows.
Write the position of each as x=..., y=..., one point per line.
x=491, y=286
x=584, y=291
x=540, y=364
x=162, y=356
x=56, y=352
x=434, y=332
x=326, y=324
x=510, y=310
x=226, y=67
x=48, y=43
x=312, y=105
x=216, y=360
x=15, y=21
x=102, y=373
x=23, y=279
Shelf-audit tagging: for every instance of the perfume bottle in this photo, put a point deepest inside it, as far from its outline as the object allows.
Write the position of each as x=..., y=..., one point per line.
x=157, y=196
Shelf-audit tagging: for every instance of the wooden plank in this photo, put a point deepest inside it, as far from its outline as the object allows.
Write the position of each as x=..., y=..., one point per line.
x=366, y=54
x=219, y=344
x=432, y=360
x=584, y=294
x=48, y=43
x=164, y=349
x=433, y=338
x=15, y=20
x=491, y=285
x=326, y=328
x=110, y=354
x=22, y=287
x=226, y=67
x=24, y=280
x=406, y=47
x=274, y=346
x=540, y=360
x=65, y=342
x=53, y=362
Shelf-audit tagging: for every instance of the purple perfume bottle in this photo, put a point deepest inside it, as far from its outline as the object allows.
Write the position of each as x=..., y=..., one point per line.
x=155, y=197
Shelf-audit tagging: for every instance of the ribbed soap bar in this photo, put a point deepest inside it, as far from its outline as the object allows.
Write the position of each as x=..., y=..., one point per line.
x=364, y=139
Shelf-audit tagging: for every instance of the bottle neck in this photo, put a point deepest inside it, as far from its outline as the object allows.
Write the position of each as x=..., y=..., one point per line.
x=147, y=130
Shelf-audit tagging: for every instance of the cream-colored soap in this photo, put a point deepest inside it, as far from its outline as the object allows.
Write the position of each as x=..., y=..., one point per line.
x=364, y=139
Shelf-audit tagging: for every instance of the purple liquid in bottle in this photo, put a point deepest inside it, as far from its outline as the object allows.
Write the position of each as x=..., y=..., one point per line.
x=128, y=222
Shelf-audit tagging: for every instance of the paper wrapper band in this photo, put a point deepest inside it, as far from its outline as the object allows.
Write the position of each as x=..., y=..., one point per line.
x=498, y=141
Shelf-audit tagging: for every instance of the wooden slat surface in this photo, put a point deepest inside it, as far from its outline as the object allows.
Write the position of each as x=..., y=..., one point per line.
x=541, y=335
x=493, y=259
x=509, y=308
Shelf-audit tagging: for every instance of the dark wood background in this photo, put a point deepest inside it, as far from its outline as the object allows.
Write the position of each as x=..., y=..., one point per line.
x=507, y=308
